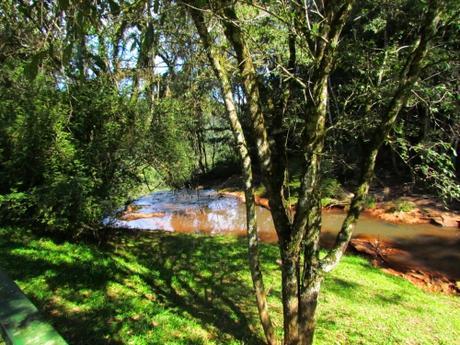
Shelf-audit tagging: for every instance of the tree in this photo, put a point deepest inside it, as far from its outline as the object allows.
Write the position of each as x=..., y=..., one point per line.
x=295, y=78
x=318, y=29
x=222, y=75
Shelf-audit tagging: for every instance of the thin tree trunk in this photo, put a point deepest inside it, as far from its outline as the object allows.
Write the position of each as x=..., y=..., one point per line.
x=253, y=250
x=278, y=204
x=307, y=221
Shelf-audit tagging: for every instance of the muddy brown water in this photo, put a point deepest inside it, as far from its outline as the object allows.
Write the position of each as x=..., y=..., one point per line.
x=208, y=212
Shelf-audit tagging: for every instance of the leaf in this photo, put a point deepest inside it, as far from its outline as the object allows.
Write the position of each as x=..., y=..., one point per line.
x=63, y=4
x=67, y=53
x=31, y=68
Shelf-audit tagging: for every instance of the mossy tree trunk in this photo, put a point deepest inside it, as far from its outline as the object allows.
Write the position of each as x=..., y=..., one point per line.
x=218, y=62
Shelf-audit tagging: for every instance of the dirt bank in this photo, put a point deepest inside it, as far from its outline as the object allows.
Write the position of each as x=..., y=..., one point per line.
x=400, y=258
x=402, y=210
x=422, y=210
x=398, y=261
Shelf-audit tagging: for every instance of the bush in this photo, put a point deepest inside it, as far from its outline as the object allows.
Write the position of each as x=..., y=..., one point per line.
x=171, y=142
x=14, y=206
x=331, y=188
x=67, y=157
x=325, y=202
x=370, y=202
x=401, y=205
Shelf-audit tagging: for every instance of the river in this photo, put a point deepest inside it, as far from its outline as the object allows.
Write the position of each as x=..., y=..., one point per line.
x=208, y=212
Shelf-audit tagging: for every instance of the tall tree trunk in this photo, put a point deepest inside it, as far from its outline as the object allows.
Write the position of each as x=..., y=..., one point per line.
x=254, y=263
x=307, y=221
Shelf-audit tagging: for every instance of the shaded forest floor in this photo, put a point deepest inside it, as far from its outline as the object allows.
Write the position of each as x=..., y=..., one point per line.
x=158, y=288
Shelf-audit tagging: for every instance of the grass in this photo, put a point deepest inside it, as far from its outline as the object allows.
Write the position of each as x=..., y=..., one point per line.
x=401, y=205
x=156, y=288
x=370, y=202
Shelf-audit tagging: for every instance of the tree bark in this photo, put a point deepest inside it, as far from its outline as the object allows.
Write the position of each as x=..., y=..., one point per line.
x=253, y=250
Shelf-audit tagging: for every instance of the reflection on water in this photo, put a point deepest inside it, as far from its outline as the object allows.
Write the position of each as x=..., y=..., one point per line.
x=208, y=212
x=203, y=211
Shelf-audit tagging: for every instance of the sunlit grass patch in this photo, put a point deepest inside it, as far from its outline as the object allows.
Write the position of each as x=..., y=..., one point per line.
x=156, y=288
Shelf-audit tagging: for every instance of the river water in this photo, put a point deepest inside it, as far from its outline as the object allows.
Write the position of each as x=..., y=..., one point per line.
x=208, y=212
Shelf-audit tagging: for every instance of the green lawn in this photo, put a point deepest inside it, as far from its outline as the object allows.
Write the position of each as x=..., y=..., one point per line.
x=155, y=288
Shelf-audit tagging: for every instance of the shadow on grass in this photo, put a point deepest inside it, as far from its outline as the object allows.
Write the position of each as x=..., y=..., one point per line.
x=203, y=278
x=158, y=288
x=191, y=277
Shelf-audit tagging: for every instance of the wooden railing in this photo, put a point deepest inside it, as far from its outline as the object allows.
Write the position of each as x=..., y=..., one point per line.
x=20, y=321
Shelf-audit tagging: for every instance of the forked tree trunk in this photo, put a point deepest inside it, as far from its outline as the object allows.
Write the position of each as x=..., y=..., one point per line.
x=301, y=280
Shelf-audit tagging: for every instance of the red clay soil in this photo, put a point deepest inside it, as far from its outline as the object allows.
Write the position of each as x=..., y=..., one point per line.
x=424, y=212
x=398, y=262
x=259, y=201
x=138, y=215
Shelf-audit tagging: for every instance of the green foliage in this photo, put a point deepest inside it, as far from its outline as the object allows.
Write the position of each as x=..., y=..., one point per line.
x=433, y=166
x=171, y=137
x=331, y=188
x=67, y=158
x=370, y=202
x=14, y=206
x=401, y=205
x=325, y=202
x=437, y=169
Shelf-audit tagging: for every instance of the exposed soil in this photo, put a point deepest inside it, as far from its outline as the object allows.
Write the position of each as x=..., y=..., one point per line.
x=395, y=260
x=131, y=213
x=425, y=210
x=137, y=215
x=259, y=201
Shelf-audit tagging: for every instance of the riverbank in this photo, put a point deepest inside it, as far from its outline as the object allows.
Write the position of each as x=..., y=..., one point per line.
x=162, y=288
x=397, y=209
x=421, y=260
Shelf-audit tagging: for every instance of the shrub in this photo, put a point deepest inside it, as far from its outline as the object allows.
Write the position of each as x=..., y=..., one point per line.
x=327, y=201
x=13, y=206
x=331, y=188
x=370, y=202
x=401, y=205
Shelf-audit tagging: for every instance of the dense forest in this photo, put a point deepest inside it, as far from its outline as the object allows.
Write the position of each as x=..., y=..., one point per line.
x=102, y=101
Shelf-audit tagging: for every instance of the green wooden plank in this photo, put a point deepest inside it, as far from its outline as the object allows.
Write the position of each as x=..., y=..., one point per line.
x=20, y=321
